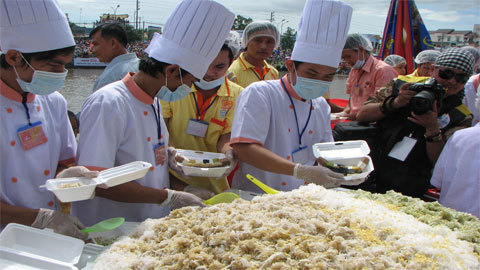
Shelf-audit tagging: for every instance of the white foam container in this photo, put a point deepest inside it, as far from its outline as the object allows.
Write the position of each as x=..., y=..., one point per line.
x=347, y=153
x=215, y=172
x=24, y=247
x=107, y=178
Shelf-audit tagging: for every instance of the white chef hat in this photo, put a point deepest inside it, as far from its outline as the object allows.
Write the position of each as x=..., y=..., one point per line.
x=193, y=35
x=33, y=26
x=322, y=32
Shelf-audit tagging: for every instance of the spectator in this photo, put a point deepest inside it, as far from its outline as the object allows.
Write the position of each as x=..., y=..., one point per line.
x=109, y=45
x=456, y=172
x=397, y=62
x=260, y=40
x=73, y=122
x=424, y=61
x=420, y=136
x=368, y=74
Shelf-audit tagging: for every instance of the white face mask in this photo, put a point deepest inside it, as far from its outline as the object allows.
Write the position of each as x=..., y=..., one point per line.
x=359, y=64
x=43, y=82
x=204, y=85
x=166, y=95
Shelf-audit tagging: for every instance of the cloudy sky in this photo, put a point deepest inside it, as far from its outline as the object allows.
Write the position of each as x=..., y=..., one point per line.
x=368, y=15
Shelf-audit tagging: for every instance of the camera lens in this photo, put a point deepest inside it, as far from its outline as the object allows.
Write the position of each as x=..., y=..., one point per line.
x=422, y=102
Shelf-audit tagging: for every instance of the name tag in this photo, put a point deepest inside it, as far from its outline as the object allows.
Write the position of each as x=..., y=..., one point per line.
x=197, y=128
x=402, y=148
x=32, y=135
x=160, y=154
x=300, y=155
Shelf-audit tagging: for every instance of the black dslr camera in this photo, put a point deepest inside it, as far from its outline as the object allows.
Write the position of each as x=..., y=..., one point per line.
x=426, y=95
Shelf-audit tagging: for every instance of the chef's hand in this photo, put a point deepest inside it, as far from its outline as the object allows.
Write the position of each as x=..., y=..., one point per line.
x=173, y=160
x=318, y=175
x=203, y=194
x=77, y=171
x=179, y=199
x=233, y=162
x=60, y=223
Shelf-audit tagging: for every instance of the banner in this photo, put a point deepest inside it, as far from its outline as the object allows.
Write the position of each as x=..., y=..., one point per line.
x=88, y=62
x=405, y=33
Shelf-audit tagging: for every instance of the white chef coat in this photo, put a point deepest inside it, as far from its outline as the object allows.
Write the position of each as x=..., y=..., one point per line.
x=457, y=174
x=118, y=126
x=470, y=97
x=22, y=172
x=264, y=115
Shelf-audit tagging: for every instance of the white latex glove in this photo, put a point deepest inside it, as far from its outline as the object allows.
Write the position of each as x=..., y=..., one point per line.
x=172, y=162
x=203, y=194
x=60, y=223
x=77, y=171
x=233, y=162
x=179, y=199
x=318, y=175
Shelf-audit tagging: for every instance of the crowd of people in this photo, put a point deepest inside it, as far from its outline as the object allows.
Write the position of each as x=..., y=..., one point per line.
x=197, y=87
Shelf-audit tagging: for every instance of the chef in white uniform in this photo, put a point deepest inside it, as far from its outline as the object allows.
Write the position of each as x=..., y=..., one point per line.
x=122, y=122
x=277, y=122
x=37, y=140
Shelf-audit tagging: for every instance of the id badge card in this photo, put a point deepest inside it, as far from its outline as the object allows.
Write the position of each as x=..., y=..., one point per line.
x=402, y=148
x=32, y=135
x=160, y=154
x=197, y=128
x=300, y=155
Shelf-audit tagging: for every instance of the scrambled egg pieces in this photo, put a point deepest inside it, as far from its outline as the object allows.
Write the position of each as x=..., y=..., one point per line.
x=308, y=228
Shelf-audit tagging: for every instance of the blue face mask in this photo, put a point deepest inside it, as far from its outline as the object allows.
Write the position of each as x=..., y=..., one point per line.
x=360, y=63
x=309, y=88
x=166, y=95
x=204, y=85
x=43, y=82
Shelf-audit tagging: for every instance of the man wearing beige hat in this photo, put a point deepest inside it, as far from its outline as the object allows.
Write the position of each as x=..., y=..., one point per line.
x=277, y=122
x=37, y=139
x=122, y=122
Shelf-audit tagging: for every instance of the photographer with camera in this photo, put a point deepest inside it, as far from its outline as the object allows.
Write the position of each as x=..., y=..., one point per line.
x=414, y=119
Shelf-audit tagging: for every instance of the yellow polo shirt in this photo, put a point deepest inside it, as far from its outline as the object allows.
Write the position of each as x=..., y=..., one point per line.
x=245, y=73
x=219, y=116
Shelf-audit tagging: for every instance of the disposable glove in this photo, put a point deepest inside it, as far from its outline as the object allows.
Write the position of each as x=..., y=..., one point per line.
x=173, y=163
x=60, y=223
x=233, y=162
x=318, y=175
x=77, y=171
x=203, y=194
x=179, y=199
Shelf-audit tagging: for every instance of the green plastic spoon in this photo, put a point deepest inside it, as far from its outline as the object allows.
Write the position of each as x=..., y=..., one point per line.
x=225, y=197
x=106, y=225
x=261, y=185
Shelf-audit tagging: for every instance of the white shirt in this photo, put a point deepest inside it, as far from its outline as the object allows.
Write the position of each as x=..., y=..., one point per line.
x=470, y=96
x=117, y=69
x=265, y=115
x=117, y=127
x=22, y=172
x=457, y=171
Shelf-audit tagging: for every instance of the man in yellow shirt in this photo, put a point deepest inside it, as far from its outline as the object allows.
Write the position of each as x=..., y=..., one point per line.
x=210, y=107
x=260, y=39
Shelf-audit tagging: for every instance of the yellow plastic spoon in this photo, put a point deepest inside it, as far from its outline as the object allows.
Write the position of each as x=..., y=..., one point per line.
x=261, y=185
x=106, y=225
x=225, y=197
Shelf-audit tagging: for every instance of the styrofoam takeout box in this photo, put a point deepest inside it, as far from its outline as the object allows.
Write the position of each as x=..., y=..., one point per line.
x=347, y=153
x=107, y=178
x=215, y=172
x=24, y=247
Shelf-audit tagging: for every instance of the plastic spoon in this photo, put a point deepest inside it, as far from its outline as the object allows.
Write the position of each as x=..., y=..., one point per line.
x=226, y=197
x=261, y=185
x=106, y=225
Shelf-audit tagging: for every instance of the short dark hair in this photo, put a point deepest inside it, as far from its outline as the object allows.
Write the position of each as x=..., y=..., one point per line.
x=297, y=64
x=230, y=53
x=151, y=66
x=111, y=30
x=38, y=56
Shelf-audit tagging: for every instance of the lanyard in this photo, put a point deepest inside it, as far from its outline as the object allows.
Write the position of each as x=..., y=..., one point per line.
x=24, y=103
x=157, y=119
x=296, y=118
x=359, y=78
x=199, y=113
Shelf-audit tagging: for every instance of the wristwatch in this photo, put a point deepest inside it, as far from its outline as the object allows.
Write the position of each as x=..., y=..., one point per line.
x=434, y=138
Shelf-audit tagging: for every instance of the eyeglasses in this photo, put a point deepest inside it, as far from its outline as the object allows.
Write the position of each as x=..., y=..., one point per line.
x=447, y=74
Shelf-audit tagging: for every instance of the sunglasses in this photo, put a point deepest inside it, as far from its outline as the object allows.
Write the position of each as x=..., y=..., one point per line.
x=447, y=74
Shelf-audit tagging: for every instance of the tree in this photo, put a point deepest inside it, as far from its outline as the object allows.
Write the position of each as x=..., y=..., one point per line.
x=133, y=34
x=241, y=22
x=288, y=39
